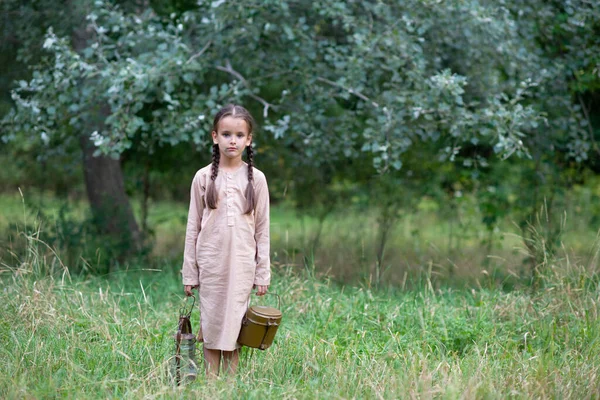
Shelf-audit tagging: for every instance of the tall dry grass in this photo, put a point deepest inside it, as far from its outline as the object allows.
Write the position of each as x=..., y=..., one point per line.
x=111, y=337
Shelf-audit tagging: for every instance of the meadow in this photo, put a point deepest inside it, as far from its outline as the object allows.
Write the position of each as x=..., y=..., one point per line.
x=111, y=337
x=451, y=246
x=434, y=177
x=82, y=336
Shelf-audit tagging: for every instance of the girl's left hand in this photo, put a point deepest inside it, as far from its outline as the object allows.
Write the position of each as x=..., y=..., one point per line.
x=261, y=290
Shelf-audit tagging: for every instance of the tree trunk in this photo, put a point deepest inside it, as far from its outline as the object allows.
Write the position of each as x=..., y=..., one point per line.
x=103, y=175
x=106, y=193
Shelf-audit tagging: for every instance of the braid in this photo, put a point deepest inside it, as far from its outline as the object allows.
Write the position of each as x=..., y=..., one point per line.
x=216, y=157
x=250, y=153
x=250, y=201
x=211, y=193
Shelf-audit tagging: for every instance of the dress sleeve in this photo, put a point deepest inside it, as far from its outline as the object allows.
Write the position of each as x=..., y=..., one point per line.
x=189, y=270
x=261, y=235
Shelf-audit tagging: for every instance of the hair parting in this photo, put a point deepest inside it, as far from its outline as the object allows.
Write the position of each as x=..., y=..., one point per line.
x=235, y=111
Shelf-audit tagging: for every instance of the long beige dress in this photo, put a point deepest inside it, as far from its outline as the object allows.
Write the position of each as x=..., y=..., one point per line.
x=226, y=252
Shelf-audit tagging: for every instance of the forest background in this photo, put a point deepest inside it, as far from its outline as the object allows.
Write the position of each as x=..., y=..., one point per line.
x=408, y=145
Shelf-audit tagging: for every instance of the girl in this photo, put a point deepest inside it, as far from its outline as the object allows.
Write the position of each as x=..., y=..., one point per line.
x=227, y=237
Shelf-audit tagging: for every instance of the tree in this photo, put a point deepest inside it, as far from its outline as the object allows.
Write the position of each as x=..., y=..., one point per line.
x=330, y=80
x=103, y=177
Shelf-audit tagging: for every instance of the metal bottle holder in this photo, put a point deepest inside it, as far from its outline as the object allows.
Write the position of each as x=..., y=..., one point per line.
x=185, y=366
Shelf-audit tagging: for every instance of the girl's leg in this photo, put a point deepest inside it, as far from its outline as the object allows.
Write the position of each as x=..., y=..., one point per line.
x=231, y=360
x=212, y=360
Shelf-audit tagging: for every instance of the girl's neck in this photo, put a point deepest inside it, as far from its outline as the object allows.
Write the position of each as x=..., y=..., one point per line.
x=230, y=164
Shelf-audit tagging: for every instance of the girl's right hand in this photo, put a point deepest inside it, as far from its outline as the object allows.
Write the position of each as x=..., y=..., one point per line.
x=188, y=289
x=261, y=290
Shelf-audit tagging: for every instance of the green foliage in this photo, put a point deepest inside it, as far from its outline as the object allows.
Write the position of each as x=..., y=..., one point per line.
x=130, y=64
x=454, y=73
x=374, y=87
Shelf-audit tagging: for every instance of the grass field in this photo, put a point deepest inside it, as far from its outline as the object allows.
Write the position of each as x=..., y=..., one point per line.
x=450, y=250
x=111, y=337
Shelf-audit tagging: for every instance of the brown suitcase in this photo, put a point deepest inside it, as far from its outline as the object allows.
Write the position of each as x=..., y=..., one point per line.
x=259, y=326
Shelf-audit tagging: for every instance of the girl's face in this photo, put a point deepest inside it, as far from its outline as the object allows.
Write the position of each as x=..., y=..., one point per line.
x=232, y=136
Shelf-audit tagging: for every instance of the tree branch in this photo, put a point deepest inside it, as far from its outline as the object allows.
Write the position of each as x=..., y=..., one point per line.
x=349, y=90
x=198, y=54
x=229, y=69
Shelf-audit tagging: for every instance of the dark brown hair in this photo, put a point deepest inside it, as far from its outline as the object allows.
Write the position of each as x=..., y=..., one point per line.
x=235, y=111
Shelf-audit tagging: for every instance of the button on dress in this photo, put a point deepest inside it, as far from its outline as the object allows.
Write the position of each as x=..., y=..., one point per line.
x=226, y=251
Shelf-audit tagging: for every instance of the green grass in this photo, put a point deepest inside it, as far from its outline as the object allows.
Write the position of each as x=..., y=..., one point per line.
x=111, y=337
x=450, y=249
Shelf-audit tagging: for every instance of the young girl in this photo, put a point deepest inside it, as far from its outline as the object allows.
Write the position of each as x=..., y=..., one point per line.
x=227, y=237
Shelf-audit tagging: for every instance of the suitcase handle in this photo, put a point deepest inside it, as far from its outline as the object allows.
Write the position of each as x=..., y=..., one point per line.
x=274, y=294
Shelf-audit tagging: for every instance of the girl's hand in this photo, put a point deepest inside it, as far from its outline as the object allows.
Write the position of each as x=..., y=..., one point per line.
x=261, y=290
x=188, y=289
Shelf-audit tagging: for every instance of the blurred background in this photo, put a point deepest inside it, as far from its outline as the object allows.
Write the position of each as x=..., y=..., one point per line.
x=453, y=140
